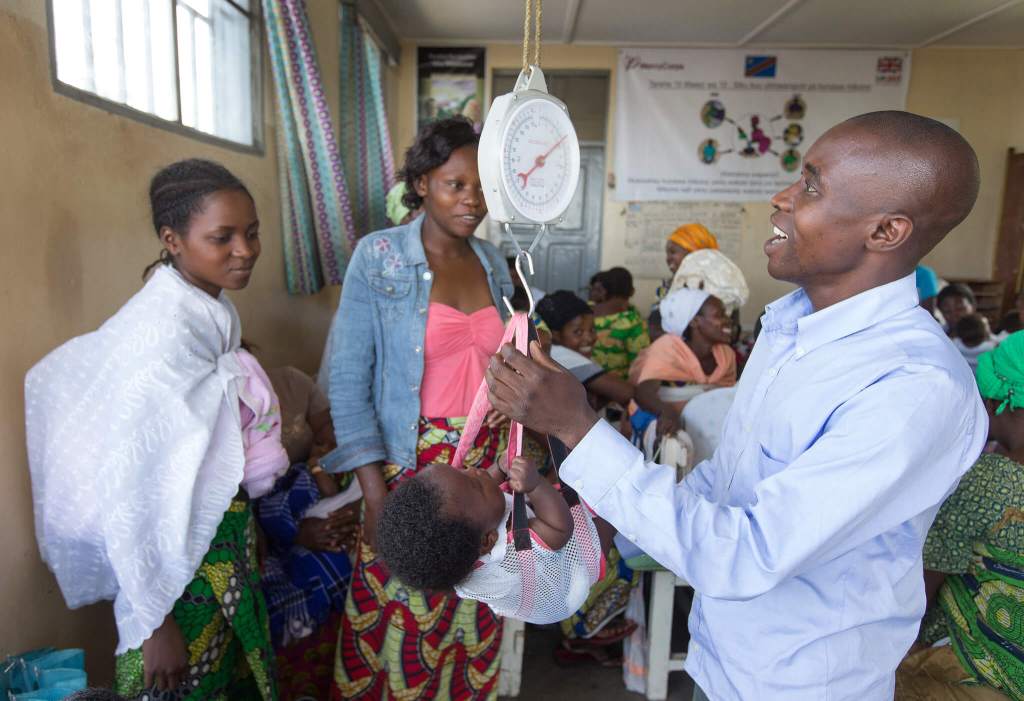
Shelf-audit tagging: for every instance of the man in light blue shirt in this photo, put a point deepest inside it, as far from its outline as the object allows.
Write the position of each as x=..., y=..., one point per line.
x=854, y=419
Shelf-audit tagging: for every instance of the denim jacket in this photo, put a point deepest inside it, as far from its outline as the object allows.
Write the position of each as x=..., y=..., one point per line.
x=376, y=356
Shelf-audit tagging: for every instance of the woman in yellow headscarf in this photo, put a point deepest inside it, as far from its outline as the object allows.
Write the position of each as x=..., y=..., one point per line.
x=684, y=240
x=680, y=243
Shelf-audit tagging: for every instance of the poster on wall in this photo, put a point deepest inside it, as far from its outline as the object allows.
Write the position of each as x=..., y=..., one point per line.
x=734, y=125
x=648, y=224
x=450, y=82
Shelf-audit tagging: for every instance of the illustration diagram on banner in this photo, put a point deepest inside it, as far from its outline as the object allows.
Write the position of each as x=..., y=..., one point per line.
x=731, y=125
x=753, y=135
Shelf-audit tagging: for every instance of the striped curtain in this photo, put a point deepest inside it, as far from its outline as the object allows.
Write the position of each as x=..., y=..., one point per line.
x=366, y=145
x=316, y=214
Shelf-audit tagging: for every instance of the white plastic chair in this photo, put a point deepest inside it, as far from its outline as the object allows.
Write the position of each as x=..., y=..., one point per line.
x=513, y=642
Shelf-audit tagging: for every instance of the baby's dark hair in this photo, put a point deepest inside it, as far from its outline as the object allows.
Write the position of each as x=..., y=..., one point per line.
x=956, y=289
x=618, y=282
x=177, y=192
x=423, y=546
x=434, y=145
x=973, y=330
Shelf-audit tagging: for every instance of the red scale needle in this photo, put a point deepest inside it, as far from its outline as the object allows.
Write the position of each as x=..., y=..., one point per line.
x=538, y=163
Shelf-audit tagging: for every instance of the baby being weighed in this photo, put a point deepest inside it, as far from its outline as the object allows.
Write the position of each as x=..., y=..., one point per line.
x=450, y=528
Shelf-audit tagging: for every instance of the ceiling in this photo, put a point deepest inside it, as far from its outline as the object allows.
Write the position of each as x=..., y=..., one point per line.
x=723, y=23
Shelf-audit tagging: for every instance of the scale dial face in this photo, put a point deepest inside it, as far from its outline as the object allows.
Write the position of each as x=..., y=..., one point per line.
x=540, y=159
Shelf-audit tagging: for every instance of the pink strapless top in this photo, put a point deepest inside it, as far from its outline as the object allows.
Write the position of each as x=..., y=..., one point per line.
x=455, y=354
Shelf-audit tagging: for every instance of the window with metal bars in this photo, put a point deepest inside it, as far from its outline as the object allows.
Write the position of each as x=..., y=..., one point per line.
x=188, y=65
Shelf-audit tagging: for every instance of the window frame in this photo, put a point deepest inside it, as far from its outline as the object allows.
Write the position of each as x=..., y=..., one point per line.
x=258, y=146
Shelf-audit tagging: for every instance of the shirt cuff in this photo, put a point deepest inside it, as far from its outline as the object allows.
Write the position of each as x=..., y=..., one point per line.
x=597, y=462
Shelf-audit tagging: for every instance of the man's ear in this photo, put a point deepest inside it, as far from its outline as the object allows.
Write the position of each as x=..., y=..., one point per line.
x=487, y=541
x=893, y=231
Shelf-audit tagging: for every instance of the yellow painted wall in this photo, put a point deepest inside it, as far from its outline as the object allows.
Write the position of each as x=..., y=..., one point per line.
x=76, y=237
x=982, y=88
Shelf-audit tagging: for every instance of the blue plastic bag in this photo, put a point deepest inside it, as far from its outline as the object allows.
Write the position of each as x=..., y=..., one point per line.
x=43, y=674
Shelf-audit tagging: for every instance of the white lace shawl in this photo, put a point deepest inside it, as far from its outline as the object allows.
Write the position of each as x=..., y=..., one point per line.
x=135, y=450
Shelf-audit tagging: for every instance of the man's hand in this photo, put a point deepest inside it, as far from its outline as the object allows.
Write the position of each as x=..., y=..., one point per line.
x=540, y=394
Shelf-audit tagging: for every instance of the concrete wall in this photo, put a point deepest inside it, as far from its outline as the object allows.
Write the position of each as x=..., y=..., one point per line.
x=76, y=238
x=981, y=88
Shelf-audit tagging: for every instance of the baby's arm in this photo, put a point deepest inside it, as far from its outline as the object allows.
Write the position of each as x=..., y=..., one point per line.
x=553, y=522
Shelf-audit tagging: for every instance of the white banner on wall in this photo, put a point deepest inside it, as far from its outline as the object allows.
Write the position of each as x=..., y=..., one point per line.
x=733, y=125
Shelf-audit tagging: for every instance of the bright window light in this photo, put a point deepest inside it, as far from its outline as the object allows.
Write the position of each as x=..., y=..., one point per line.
x=189, y=62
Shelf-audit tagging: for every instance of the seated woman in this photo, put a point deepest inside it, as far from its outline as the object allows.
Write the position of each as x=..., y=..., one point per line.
x=974, y=560
x=712, y=271
x=306, y=569
x=1014, y=319
x=955, y=301
x=571, y=321
x=694, y=354
x=621, y=331
x=681, y=242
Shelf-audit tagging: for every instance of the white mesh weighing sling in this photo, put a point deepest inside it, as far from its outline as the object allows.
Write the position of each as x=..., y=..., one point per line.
x=522, y=578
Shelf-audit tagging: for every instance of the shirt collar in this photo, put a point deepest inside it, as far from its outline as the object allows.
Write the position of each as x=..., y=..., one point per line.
x=418, y=256
x=793, y=314
x=414, y=241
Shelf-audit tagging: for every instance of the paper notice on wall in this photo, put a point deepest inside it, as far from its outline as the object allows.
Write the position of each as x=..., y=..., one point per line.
x=648, y=225
x=733, y=125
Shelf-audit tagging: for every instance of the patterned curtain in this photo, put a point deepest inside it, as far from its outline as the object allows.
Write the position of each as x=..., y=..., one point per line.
x=366, y=144
x=315, y=210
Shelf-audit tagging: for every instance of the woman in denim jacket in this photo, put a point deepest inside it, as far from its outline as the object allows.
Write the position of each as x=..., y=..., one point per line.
x=420, y=315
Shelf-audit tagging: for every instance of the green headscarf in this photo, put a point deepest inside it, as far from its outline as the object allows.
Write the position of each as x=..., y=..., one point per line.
x=396, y=211
x=1000, y=373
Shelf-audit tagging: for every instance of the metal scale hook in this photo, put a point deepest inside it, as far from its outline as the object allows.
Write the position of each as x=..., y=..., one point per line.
x=522, y=255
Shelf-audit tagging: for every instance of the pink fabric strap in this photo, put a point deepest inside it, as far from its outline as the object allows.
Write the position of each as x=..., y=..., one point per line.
x=517, y=330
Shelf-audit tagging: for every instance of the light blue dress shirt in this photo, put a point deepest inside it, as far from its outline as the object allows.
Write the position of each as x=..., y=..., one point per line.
x=802, y=534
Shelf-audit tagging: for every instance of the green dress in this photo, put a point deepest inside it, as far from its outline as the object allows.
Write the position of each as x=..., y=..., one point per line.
x=620, y=338
x=978, y=540
x=223, y=618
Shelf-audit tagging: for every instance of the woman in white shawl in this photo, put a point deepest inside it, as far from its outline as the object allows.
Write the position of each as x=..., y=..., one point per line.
x=140, y=435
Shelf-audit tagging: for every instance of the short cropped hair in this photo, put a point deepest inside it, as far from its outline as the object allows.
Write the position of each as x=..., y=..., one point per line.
x=421, y=545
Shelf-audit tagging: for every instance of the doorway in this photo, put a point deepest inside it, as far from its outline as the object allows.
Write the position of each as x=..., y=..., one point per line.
x=571, y=251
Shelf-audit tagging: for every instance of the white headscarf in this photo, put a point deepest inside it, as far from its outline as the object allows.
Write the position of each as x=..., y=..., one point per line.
x=679, y=309
x=710, y=270
x=135, y=448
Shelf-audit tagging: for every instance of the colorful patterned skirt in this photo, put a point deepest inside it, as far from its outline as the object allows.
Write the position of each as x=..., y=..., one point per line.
x=401, y=643
x=223, y=619
x=608, y=598
x=305, y=668
x=984, y=610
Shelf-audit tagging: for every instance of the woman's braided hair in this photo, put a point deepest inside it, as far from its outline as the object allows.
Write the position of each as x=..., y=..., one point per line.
x=177, y=192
